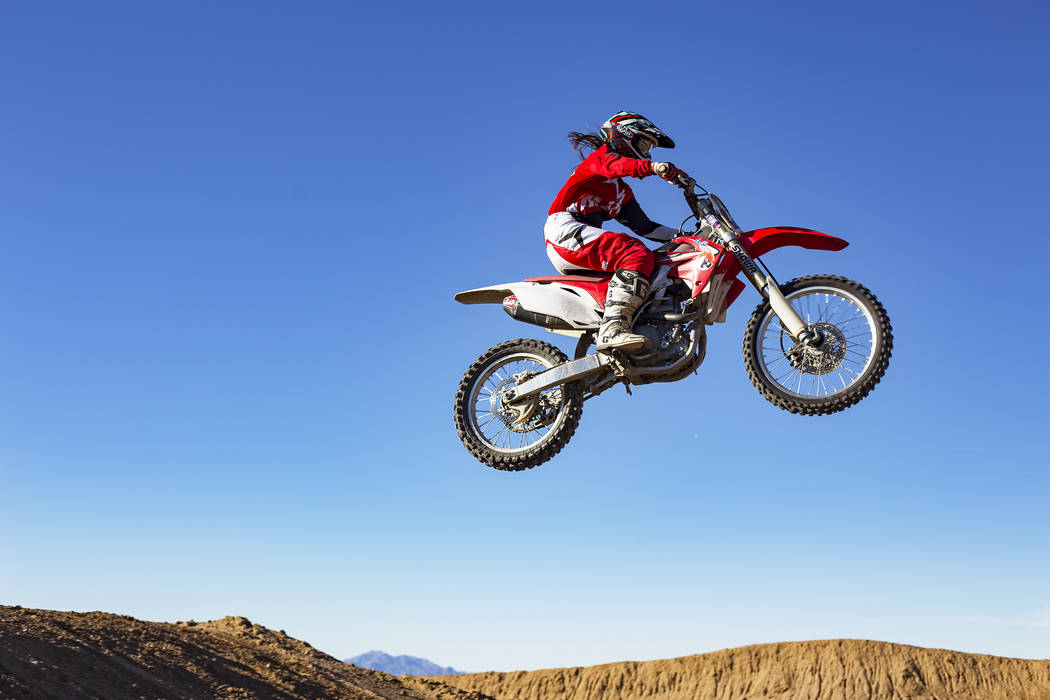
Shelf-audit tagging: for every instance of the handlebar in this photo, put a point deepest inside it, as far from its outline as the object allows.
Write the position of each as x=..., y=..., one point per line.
x=704, y=205
x=686, y=183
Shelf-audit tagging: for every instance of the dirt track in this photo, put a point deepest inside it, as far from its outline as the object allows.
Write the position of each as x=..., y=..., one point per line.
x=836, y=669
x=48, y=654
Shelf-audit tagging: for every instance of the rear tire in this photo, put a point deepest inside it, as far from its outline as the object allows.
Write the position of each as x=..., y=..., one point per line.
x=486, y=426
x=837, y=374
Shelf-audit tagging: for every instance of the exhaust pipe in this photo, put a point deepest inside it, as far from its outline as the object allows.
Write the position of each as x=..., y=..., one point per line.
x=516, y=311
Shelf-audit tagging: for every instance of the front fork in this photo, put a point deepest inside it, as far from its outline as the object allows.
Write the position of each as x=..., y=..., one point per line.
x=764, y=283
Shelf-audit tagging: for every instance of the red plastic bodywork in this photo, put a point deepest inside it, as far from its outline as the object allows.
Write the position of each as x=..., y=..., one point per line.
x=762, y=240
x=695, y=264
x=596, y=285
x=694, y=261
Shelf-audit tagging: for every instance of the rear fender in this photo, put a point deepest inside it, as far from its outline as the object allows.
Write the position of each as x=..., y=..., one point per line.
x=573, y=305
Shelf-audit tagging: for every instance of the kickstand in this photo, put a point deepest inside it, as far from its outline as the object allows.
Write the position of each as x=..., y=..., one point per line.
x=627, y=386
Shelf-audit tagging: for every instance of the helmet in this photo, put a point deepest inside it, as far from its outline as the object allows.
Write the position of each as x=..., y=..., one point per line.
x=633, y=135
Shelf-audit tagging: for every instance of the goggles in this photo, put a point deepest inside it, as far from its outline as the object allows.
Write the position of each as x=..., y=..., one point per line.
x=643, y=144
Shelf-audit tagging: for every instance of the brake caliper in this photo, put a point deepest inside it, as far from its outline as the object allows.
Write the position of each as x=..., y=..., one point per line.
x=823, y=356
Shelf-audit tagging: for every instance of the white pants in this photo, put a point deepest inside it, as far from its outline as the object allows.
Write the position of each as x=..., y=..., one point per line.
x=573, y=245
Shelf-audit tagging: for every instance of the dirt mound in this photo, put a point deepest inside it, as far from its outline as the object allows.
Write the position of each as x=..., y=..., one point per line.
x=843, y=668
x=48, y=654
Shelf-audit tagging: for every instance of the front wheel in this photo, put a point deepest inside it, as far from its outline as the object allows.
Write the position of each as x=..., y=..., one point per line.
x=851, y=355
x=515, y=437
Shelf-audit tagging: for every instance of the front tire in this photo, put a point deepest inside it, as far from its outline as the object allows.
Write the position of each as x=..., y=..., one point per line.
x=489, y=428
x=842, y=369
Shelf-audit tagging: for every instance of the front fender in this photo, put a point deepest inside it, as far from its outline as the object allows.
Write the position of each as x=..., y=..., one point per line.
x=761, y=241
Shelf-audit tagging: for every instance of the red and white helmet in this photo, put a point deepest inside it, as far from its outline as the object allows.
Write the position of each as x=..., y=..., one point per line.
x=632, y=135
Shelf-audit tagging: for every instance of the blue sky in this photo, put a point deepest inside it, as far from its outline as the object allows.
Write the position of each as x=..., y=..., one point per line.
x=230, y=239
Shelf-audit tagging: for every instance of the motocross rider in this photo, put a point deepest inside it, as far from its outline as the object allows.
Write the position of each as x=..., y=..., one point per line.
x=596, y=193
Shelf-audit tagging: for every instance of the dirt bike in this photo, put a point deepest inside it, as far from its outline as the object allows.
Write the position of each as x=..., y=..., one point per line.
x=815, y=345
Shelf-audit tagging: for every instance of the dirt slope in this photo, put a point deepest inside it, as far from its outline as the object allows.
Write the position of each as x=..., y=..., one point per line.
x=48, y=654
x=844, y=668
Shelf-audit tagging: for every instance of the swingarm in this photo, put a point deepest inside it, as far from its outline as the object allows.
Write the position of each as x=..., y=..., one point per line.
x=562, y=374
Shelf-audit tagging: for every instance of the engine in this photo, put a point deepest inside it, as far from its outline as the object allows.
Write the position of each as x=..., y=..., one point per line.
x=668, y=340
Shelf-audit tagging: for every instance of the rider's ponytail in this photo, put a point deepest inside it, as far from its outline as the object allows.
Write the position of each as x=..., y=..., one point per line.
x=588, y=140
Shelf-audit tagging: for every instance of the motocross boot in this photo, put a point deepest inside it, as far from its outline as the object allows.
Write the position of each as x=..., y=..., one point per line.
x=627, y=291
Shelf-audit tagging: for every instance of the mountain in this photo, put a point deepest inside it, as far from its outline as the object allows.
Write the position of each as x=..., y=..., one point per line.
x=401, y=665
x=49, y=654
x=839, y=669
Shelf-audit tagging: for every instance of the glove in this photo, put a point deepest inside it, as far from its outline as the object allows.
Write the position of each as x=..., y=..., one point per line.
x=669, y=172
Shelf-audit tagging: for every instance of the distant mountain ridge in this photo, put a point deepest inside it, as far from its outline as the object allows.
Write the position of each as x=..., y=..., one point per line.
x=401, y=665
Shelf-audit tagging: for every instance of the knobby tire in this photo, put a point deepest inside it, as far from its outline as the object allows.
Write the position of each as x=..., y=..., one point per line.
x=821, y=405
x=552, y=443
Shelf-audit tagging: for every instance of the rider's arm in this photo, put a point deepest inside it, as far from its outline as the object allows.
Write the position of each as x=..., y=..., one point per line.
x=632, y=216
x=609, y=164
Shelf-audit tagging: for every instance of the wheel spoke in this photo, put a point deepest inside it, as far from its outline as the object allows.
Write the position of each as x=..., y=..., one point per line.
x=844, y=306
x=833, y=311
x=841, y=380
x=853, y=326
x=777, y=361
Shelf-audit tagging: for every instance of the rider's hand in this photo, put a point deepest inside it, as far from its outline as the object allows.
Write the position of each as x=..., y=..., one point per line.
x=667, y=171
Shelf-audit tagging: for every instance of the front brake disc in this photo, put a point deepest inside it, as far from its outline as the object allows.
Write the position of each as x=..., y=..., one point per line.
x=822, y=358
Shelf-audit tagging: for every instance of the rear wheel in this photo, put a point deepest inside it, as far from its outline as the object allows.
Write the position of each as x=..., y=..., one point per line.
x=514, y=437
x=836, y=372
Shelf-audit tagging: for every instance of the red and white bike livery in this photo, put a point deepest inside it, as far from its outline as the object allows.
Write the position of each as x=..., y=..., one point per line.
x=815, y=345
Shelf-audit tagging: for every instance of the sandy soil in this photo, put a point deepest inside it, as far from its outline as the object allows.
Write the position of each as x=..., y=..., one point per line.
x=844, y=668
x=48, y=654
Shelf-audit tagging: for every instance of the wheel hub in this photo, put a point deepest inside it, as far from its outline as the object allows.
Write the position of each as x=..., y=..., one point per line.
x=539, y=412
x=498, y=404
x=822, y=357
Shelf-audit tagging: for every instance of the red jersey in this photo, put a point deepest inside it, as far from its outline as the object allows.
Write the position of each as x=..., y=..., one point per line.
x=596, y=184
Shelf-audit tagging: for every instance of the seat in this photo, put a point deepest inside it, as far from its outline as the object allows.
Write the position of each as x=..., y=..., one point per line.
x=581, y=276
